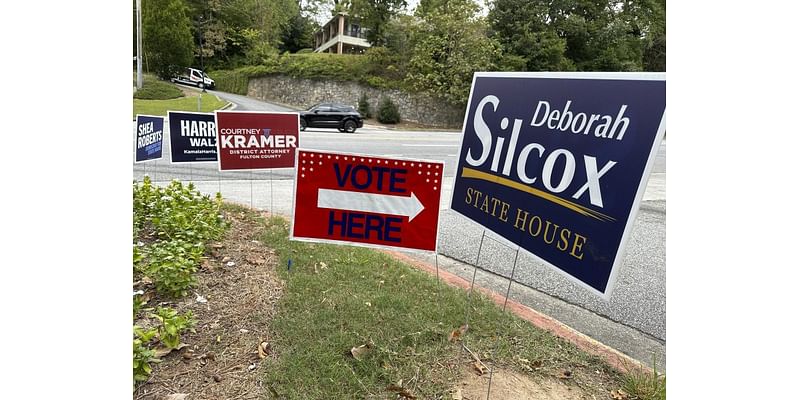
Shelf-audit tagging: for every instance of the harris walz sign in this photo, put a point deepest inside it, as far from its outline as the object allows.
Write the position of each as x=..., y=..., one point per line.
x=557, y=163
x=192, y=137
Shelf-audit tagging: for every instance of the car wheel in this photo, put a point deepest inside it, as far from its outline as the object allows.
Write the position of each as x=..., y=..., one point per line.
x=302, y=124
x=349, y=126
x=201, y=85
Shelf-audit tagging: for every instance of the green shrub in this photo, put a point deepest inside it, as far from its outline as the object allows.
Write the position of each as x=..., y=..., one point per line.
x=142, y=354
x=363, y=106
x=181, y=220
x=171, y=325
x=388, y=112
x=305, y=51
x=230, y=81
x=153, y=89
x=171, y=266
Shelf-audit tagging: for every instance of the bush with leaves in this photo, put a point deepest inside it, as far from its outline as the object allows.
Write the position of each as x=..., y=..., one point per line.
x=143, y=355
x=171, y=325
x=388, y=112
x=363, y=106
x=171, y=265
x=177, y=212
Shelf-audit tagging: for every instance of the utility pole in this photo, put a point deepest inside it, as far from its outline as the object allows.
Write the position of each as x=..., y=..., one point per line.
x=202, y=68
x=138, y=44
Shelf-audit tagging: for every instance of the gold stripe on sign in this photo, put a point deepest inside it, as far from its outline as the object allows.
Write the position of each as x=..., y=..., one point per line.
x=475, y=174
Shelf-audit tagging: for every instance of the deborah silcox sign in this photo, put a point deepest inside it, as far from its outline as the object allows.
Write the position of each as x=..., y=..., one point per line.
x=558, y=163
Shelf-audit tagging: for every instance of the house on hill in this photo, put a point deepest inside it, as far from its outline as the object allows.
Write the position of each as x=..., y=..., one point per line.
x=343, y=34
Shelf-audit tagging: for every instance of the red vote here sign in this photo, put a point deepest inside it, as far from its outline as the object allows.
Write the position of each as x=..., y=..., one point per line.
x=367, y=200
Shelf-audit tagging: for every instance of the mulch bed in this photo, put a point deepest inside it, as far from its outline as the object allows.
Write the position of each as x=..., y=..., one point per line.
x=221, y=359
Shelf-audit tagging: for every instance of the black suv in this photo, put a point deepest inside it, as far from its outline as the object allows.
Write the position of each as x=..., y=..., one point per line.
x=331, y=115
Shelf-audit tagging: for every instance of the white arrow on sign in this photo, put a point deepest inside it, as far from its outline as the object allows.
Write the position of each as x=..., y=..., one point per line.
x=370, y=202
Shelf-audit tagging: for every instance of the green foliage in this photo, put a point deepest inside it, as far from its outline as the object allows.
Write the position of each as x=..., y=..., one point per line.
x=365, y=69
x=172, y=265
x=450, y=46
x=208, y=103
x=388, y=112
x=182, y=220
x=171, y=325
x=166, y=36
x=153, y=89
x=363, y=106
x=177, y=212
x=298, y=34
x=142, y=354
x=375, y=16
x=584, y=35
x=233, y=81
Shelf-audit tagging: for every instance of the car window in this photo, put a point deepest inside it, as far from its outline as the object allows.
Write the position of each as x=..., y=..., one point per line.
x=324, y=108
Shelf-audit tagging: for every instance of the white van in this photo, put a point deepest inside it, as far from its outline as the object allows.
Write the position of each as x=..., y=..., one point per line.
x=194, y=77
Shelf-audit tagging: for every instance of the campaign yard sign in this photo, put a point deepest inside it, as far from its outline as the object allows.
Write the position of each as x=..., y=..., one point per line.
x=192, y=137
x=366, y=200
x=256, y=140
x=149, y=137
x=557, y=163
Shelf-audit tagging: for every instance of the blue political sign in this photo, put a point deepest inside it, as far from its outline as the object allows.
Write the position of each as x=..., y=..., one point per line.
x=557, y=164
x=192, y=137
x=149, y=137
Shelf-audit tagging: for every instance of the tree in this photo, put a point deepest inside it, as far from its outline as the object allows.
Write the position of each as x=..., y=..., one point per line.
x=522, y=28
x=166, y=36
x=450, y=45
x=298, y=34
x=375, y=15
x=587, y=35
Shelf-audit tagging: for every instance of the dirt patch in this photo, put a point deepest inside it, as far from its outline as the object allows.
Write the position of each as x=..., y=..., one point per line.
x=188, y=92
x=233, y=304
x=510, y=385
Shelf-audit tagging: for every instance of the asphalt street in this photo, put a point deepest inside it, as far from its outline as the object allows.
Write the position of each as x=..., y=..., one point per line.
x=632, y=321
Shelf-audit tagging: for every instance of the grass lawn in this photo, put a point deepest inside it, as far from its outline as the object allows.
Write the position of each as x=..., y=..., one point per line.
x=356, y=323
x=208, y=103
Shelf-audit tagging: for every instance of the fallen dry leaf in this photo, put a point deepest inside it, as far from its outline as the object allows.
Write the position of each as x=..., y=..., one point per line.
x=457, y=395
x=162, y=351
x=359, y=352
x=619, y=395
x=401, y=391
x=456, y=334
x=479, y=367
x=565, y=374
x=263, y=349
x=177, y=396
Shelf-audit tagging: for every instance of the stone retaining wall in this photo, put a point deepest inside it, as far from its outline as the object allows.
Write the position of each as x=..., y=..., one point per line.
x=304, y=93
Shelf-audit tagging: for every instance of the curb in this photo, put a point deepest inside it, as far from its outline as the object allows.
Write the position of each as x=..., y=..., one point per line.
x=613, y=357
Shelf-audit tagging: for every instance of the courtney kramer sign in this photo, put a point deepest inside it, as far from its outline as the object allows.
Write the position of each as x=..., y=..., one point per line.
x=557, y=163
x=149, y=137
x=192, y=137
x=256, y=140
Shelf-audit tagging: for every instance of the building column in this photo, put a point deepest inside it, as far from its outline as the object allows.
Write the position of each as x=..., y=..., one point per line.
x=341, y=32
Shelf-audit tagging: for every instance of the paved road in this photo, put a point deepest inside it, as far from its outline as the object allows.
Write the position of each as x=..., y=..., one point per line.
x=634, y=317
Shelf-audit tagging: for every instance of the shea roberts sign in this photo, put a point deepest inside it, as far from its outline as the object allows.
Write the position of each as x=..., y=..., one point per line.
x=366, y=200
x=192, y=137
x=149, y=137
x=558, y=163
x=256, y=140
